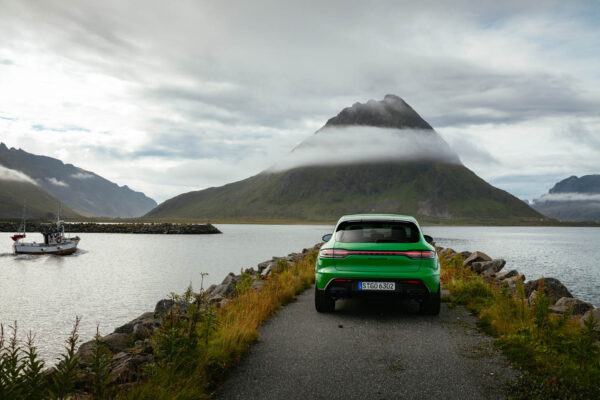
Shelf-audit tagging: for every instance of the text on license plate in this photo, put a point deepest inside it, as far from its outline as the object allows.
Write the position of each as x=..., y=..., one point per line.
x=376, y=285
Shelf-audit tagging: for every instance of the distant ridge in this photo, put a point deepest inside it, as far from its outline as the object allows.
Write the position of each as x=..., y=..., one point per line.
x=427, y=180
x=82, y=190
x=572, y=199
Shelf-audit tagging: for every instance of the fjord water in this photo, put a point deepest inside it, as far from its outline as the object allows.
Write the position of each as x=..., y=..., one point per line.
x=113, y=278
x=566, y=253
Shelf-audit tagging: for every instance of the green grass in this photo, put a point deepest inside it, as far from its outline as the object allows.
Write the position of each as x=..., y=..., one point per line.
x=560, y=359
x=194, y=354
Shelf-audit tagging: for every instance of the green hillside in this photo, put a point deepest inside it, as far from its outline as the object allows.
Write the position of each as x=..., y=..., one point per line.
x=441, y=191
x=413, y=172
x=39, y=204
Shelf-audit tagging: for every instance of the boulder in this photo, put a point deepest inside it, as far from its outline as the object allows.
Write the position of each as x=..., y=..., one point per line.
x=211, y=289
x=576, y=306
x=488, y=274
x=267, y=270
x=229, y=284
x=532, y=298
x=447, y=253
x=476, y=257
x=231, y=279
x=558, y=310
x=84, y=352
x=145, y=325
x=293, y=257
x=263, y=265
x=164, y=306
x=465, y=254
x=506, y=274
x=495, y=265
x=596, y=313
x=553, y=288
x=219, y=291
x=116, y=342
x=513, y=281
x=146, y=318
x=126, y=367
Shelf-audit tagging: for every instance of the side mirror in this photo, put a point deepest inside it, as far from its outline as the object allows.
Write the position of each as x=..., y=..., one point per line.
x=327, y=237
x=428, y=239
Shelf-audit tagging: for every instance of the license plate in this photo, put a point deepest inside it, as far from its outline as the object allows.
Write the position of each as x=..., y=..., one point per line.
x=376, y=285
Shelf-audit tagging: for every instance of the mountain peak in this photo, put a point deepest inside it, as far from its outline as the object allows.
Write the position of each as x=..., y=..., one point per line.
x=391, y=112
x=573, y=184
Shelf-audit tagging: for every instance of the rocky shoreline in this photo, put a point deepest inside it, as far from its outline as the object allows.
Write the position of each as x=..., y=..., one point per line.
x=132, y=344
x=136, y=228
x=492, y=270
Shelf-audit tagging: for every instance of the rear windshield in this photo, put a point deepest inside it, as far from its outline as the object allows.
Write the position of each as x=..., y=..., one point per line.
x=377, y=232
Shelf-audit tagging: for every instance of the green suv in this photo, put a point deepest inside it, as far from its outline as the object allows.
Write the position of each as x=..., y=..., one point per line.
x=378, y=255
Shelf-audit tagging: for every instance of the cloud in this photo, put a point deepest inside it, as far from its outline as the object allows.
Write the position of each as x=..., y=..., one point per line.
x=82, y=175
x=260, y=77
x=558, y=197
x=8, y=174
x=57, y=182
x=343, y=145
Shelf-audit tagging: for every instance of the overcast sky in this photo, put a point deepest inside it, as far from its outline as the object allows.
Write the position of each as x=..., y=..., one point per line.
x=168, y=97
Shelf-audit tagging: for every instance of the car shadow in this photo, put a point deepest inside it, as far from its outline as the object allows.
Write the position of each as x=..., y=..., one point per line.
x=376, y=307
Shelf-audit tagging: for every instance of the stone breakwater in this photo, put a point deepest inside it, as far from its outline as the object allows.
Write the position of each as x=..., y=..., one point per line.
x=132, y=345
x=492, y=270
x=141, y=228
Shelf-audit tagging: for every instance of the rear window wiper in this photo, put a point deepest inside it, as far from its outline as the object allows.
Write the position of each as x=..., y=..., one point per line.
x=388, y=241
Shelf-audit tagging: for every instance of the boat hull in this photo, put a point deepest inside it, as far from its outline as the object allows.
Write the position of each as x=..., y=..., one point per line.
x=39, y=249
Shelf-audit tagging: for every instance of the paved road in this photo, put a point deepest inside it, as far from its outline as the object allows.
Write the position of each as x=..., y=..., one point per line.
x=369, y=349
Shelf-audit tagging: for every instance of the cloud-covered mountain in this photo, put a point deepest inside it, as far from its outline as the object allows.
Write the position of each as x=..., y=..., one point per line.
x=77, y=188
x=380, y=156
x=572, y=199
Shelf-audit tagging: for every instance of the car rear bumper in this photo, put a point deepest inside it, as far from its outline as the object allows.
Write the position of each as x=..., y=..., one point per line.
x=410, y=285
x=404, y=288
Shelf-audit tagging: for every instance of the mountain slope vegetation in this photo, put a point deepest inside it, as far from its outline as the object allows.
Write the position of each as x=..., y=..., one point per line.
x=39, y=203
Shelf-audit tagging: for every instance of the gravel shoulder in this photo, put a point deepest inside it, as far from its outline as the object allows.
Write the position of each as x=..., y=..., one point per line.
x=369, y=349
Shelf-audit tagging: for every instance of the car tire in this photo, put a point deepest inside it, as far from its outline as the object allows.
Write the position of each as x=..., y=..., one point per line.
x=431, y=305
x=323, y=302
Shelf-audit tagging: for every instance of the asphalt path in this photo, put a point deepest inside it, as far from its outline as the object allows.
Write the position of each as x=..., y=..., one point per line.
x=369, y=349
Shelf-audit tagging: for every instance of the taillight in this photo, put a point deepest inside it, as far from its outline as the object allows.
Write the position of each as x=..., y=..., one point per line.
x=333, y=253
x=341, y=253
x=427, y=254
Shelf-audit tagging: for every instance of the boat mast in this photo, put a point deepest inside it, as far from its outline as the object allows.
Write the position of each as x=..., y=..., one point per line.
x=23, y=219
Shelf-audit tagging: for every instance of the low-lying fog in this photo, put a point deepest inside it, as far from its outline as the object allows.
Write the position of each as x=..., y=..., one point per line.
x=8, y=174
x=344, y=145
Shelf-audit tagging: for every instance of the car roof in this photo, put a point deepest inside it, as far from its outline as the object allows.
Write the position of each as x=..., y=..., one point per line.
x=379, y=217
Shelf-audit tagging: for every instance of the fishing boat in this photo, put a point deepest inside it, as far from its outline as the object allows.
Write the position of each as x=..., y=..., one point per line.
x=55, y=241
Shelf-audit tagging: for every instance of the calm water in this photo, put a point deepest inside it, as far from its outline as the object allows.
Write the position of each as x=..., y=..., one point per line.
x=114, y=278
x=568, y=254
